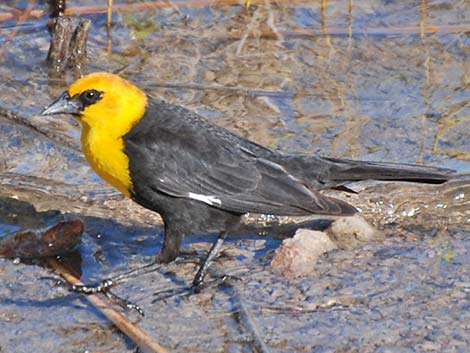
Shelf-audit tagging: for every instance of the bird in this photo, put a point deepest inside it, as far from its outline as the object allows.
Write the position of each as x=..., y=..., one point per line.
x=200, y=177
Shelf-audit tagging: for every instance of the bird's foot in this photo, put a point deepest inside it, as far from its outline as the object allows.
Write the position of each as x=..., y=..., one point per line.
x=100, y=287
x=191, y=256
x=199, y=283
x=224, y=280
x=104, y=288
x=124, y=303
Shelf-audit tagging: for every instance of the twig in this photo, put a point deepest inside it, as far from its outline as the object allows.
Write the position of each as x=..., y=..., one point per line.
x=247, y=321
x=333, y=31
x=58, y=55
x=155, y=5
x=251, y=92
x=109, y=13
x=21, y=120
x=21, y=19
x=57, y=8
x=272, y=25
x=78, y=44
x=137, y=335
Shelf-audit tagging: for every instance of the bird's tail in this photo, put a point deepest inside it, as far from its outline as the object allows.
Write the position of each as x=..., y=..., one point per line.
x=344, y=170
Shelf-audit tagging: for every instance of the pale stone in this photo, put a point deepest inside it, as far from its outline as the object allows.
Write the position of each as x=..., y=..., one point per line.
x=296, y=257
x=349, y=232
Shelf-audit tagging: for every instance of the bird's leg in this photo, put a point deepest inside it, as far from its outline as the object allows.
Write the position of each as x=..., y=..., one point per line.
x=171, y=244
x=198, y=280
x=106, y=284
x=170, y=250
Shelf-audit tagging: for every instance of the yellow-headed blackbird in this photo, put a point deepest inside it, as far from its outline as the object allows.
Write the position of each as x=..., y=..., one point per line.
x=198, y=176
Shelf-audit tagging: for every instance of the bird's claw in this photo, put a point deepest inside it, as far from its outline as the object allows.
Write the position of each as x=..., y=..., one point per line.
x=124, y=303
x=104, y=287
x=199, y=283
x=227, y=279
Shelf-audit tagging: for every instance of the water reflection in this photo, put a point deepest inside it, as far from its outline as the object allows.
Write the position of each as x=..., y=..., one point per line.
x=371, y=80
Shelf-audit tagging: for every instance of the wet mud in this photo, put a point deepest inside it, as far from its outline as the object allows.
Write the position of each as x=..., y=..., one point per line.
x=374, y=80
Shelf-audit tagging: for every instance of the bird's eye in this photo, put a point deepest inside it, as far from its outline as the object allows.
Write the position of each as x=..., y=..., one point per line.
x=90, y=96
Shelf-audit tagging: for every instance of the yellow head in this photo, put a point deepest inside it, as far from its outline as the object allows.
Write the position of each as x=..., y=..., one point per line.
x=107, y=106
x=102, y=101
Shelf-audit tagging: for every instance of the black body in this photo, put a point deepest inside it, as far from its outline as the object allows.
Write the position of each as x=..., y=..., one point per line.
x=176, y=154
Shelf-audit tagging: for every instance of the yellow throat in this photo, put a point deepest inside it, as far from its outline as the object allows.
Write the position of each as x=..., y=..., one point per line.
x=105, y=123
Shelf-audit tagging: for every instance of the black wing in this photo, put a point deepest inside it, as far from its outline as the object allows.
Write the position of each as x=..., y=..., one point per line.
x=186, y=156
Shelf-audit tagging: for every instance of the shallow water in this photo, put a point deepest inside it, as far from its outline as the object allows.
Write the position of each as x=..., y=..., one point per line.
x=376, y=80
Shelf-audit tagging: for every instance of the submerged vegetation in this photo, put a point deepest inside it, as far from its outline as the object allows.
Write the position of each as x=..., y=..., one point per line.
x=372, y=80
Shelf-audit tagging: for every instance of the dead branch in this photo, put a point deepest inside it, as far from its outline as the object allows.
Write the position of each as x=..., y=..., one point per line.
x=24, y=121
x=155, y=5
x=248, y=322
x=100, y=302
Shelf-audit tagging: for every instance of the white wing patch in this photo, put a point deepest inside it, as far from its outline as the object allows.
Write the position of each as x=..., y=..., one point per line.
x=210, y=200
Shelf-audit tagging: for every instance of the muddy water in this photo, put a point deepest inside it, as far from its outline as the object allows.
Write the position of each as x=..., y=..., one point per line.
x=371, y=80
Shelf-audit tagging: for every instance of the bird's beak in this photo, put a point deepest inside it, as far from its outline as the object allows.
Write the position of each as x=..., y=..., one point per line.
x=63, y=105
